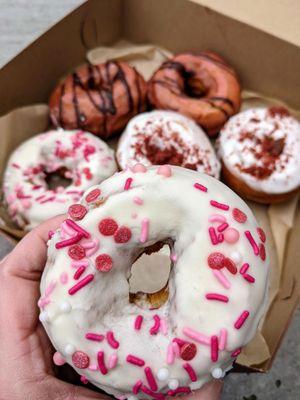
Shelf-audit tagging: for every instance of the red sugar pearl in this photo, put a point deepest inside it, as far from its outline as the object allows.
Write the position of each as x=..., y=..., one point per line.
x=262, y=252
x=188, y=351
x=123, y=235
x=93, y=195
x=215, y=260
x=77, y=211
x=261, y=234
x=76, y=252
x=239, y=215
x=80, y=359
x=230, y=265
x=108, y=226
x=104, y=263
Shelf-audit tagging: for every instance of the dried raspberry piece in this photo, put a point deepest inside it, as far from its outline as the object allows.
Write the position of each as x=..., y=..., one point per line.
x=108, y=226
x=76, y=252
x=261, y=234
x=80, y=359
x=77, y=211
x=279, y=110
x=93, y=195
x=188, y=351
x=215, y=260
x=230, y=265
x=104, y=263
x=239, y=215
x=123, y=235
x=262, y=252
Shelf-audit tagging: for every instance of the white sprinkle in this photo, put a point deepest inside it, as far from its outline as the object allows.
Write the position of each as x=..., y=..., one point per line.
x=163, y=374
x=44, y=317
x=69, y=349
x=236, y=257
x=173, y=384
x=217, y=373
x=65, y=307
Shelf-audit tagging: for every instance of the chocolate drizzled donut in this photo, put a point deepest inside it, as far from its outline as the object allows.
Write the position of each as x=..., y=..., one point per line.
x=201, y=86
x=98, y=98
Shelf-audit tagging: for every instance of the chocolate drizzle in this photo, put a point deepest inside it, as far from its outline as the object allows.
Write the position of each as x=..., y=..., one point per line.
x=96, y=83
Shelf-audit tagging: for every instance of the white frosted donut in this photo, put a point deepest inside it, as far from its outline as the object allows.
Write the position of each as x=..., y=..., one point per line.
x=217, y=285
x=79, y=156
x=261, y=147
x=167, y=137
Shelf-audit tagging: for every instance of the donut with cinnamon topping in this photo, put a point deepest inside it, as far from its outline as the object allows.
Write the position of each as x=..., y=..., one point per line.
x=201, y=86
x=260, y=150
x=99, y=98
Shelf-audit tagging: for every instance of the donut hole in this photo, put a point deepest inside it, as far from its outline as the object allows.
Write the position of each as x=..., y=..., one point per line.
x=58, y=178
x=148, y=282
x=193, y=86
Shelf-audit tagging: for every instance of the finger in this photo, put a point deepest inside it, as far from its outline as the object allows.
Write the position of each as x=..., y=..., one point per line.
x=28, y=258
x=72, y=392
x=210, y=391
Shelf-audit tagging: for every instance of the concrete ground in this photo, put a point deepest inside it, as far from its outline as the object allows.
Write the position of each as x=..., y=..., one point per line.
x=20, y=22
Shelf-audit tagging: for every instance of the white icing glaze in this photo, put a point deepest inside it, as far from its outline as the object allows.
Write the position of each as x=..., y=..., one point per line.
x=103, y=304
x=246, y=152
x=88, y=161
x=170, y=132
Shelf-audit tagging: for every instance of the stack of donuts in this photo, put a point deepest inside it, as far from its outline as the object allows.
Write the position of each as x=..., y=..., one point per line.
x=178, y=134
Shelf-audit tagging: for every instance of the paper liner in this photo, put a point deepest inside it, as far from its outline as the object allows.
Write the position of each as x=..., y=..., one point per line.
x=276, y=220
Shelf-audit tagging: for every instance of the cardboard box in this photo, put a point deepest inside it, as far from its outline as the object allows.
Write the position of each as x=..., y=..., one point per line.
x=265, y=63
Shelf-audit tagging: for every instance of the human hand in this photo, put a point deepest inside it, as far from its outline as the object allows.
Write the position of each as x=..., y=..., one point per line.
x=26, y=371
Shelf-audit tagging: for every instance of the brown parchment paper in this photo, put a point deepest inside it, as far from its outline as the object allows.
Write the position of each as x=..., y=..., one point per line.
x=276, y=220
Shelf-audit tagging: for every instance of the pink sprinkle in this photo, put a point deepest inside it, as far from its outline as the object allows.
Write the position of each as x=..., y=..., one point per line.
x=179, y=341
x=214, y=348
x=236, y=353
x=144, y=231
x=252, y=242
x=223, y=339
x=217, y=296
x=63, y=278
x=217, y=218
x=135, y=360
x=94, y=336
x=49, y=289
x=40, y=197
x=197, y=336
x=249, y=278
x=163, y=326
x=180, y=390
x=241, y=319
x=191, y=372
x=67, y=229
x=50, y=234
x=150, y=379
x=221, y=278
x=43, y=302
x=85, y=281
x=128, y=183
x=137, y=200
x=137, y=386
x=222, y=227
x=101, y=364
x=173, y=257
x=139, y=168
x=231, y=235
x=213, y=236
x=111, y=340
x=15, y=165
x=221, y=206
x=93, y=367
x=84, y=379
x=90, y=252
x=200, y=187
x=112, y=361
x=68, y=242
x=244, y=268
x=79, y=272
x=176, y=349
x=77, y=228
x=155, y=328
x=90, y=244
x=170, y=354
x=58, y=359
x=220, y=238
x=164, y=170
x=138, y=322
x=79, y=263
x=47, y=200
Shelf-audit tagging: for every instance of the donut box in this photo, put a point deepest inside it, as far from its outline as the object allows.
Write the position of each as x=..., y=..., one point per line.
x=259, y=57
